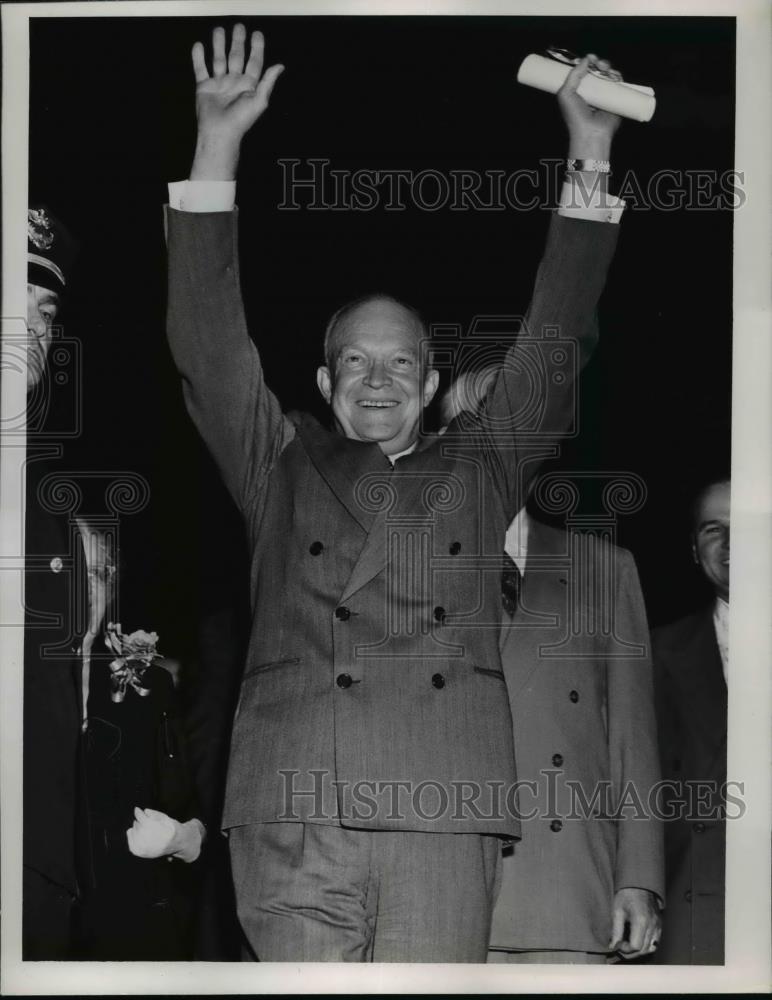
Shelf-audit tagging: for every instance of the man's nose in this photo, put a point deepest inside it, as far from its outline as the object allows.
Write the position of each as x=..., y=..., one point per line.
x=377, y=375
x=36, y=325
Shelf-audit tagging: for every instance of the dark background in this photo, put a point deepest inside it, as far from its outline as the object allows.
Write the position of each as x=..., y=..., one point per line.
x=112, y=120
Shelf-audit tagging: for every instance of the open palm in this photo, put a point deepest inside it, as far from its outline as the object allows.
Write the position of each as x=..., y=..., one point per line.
x=231, y=100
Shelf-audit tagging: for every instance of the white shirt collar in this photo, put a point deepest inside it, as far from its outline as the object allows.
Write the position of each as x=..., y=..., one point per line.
x=516, y=541
x=401, y=454
x=721, y=625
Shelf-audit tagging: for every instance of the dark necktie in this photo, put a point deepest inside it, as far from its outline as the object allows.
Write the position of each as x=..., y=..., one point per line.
x=510, y=585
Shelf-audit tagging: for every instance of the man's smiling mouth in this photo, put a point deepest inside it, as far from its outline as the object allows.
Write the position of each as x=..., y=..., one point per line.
x=377, y=403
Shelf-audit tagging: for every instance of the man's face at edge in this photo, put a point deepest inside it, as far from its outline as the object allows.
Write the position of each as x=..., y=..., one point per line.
x=377, y=387
x=42, y=308
x=710, y=539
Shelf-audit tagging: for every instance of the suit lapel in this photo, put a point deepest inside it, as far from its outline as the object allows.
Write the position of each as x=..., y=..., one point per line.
x=543, y=600
x=351, y=469
x=398, y=490
x=702, y=680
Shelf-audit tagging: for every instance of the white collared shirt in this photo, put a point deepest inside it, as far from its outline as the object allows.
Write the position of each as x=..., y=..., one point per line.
x=721, y=625
x=574, y=203
x=516, y=541
x=401, y=454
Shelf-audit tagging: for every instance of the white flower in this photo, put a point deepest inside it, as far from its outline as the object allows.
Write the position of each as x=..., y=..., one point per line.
x=139, y=645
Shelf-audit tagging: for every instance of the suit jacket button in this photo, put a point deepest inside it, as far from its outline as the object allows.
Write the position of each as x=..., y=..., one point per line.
x=342, y=613
x=574, y=696
x=439, y=615
x=344, y=680
x=556, y=826
x=455, y=548
x=315, y=548
x=557, y=759
x=438, y=681
x=699, y=828
x=688, y=895
x=56, y=565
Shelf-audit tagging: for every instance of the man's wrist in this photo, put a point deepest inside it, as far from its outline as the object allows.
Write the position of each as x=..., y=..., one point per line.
x=187, y=840
x=589, y=147
x=215, y=159
x=588, y=182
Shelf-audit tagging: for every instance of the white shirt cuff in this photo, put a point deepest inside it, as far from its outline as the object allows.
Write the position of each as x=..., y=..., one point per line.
x=202, y=196
x=576, y=202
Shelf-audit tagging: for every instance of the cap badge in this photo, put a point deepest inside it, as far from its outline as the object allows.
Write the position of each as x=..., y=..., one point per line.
x=39, y=229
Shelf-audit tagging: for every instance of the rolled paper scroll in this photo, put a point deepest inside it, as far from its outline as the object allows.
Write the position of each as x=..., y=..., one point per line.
x=626, y=99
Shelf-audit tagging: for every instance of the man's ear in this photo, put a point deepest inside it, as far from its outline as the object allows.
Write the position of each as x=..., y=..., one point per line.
x=695, y=557
x=431, y=382
x=324, y=381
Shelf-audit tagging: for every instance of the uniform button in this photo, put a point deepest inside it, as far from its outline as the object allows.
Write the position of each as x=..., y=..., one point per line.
x=344, y=680
x=455, y=548
x=688, y=895
x=699, y=828
x=574, y=696
x=342, y=613
x=556, y=826
x=438, y=681
x=439, y=615
x=56, y=565
x=557, y=759
x=315, y=548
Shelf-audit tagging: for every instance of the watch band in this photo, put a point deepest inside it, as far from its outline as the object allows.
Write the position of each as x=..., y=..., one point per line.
x=594, y=166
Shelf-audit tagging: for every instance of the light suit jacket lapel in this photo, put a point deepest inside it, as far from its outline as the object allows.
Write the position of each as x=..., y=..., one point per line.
x=543, y=601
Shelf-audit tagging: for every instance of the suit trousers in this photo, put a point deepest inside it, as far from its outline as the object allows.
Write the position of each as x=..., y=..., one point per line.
x=547, y=957
x=311, y=892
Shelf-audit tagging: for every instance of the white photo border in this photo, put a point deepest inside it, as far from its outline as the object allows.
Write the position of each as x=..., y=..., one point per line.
x=747, y=966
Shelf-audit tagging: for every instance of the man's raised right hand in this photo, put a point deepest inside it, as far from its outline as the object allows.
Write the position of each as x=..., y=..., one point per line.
x=228, y=102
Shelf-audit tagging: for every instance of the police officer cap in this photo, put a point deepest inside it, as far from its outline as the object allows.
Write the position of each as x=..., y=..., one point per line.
x=50, y=250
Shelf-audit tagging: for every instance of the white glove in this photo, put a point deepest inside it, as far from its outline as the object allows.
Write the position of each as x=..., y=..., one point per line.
x=156, y=835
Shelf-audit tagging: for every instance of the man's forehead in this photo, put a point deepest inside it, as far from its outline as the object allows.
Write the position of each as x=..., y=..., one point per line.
x=374, y=322
x=714, y=505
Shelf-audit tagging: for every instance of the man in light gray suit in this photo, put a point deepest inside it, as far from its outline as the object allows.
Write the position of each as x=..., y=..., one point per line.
x=579, y=887
x=373, y=706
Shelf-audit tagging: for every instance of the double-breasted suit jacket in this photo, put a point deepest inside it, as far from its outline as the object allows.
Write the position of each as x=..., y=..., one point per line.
x=692, y=715
x=577, y=663
x=56, y=610
x=373, y=660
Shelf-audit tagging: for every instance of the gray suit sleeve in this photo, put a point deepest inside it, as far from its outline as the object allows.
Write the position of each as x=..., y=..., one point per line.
x=569, y=282
x=632, y=737
x=236, y=414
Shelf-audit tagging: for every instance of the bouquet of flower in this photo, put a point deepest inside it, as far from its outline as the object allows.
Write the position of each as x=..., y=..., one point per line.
x=133, y=655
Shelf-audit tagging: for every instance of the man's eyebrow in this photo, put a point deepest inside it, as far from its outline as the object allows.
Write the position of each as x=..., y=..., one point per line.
x=709, y=523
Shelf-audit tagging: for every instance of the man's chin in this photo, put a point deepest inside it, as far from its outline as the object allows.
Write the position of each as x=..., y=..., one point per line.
x=376, y=431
